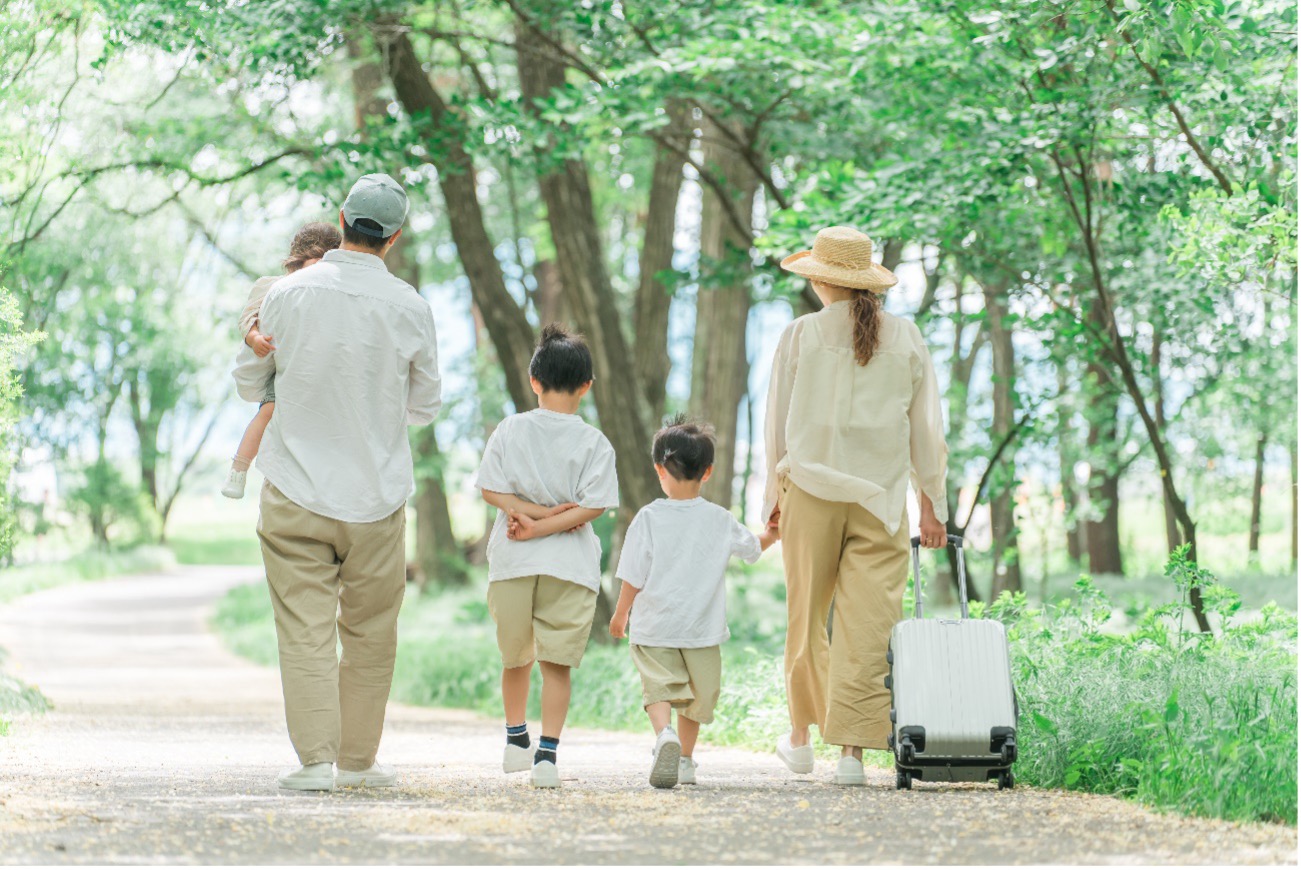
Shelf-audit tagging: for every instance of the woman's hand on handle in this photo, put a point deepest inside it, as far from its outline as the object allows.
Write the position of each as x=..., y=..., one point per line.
x=932, y=532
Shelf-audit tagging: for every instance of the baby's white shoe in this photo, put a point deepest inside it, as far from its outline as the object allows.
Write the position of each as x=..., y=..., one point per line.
x=235, y=482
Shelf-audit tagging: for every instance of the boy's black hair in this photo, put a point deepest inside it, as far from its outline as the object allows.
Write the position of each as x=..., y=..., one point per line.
x=561, y=363
x=353, y=237
x=684, y=448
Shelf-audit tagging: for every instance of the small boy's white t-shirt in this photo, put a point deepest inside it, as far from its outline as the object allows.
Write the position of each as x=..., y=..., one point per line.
x=676, y=552
x=548, y=458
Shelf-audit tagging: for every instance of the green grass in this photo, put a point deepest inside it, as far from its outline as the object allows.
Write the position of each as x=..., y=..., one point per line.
x=1204, y=725
x=90, y=565
x=17, y=697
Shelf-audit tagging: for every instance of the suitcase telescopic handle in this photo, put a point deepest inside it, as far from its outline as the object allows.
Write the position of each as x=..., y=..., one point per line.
x=954, y=541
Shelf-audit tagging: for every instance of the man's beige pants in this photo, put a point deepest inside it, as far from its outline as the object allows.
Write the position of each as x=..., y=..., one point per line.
x=840, y=549
x=321, y=571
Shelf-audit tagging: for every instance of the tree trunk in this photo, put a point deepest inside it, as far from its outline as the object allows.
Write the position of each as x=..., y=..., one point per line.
x=1257, y=487
x=651, y=317
x=1066, y=457
x=1007, y=563
x=719, y=365
x=1172, y=538
x=1102, y=528
x=507, y=326
x=962, y=365
x=571, y=217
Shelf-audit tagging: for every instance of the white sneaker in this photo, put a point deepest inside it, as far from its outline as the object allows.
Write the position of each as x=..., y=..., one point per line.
x=850, y=772
x=235, y=482
x=517, y=759
x=311, y=777
x=798, y=758
x=687, y=771
x=375, y=776
x=668, y=752
x=545, y=775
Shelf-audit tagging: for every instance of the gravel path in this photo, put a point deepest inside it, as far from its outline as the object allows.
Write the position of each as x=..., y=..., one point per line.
x=163, y=748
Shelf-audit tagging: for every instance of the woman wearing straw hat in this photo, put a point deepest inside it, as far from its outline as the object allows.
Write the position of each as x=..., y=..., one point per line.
x=853, y=412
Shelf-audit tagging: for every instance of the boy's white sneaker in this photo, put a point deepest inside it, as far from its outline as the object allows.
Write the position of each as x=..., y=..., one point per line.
x=798, y=758
x=687, y=771
x=850, y=772
x=668, y=752
x=545, y=775
x=235, y=483
x=310, y=777
x=517, y=759
x=375, y=776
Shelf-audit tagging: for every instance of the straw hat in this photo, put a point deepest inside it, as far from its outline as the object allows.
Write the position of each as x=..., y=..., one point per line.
x=841, y=256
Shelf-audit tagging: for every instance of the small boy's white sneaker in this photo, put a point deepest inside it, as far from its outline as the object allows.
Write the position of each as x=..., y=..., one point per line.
x=798, y=758
x=668, y=752
x=687, y=771
x=310, y=777
x=545, y=775
x=375, y=776
x=850, y=772
x=235, y=482
x=517, y=759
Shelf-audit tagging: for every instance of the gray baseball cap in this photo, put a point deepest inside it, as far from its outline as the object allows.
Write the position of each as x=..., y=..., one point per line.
x=380, y=199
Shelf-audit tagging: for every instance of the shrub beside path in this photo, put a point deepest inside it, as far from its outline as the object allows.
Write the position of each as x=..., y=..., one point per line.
x=163, y=748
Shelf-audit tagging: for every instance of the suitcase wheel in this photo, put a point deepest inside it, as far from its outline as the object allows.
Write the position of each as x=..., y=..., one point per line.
x=1006, y=780
x=903, y=780
x=889, y=656
x=889, y=683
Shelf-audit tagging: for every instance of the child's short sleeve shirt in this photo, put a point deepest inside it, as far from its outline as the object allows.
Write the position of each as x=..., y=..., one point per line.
x=676, y=552
x=548, y=458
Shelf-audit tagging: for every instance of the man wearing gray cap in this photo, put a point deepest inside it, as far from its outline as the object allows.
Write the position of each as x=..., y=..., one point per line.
x=355, y=363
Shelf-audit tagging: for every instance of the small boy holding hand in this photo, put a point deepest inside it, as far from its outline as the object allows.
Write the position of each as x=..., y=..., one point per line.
x=674, y=559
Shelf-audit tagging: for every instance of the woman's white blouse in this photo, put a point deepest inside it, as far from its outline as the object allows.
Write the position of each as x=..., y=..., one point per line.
x=851, y=433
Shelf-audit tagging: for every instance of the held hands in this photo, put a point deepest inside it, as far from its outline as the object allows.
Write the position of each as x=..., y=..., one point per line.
x=768, y=537
x=261, y=344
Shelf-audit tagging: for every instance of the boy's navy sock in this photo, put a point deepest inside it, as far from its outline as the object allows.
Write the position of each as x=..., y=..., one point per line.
x=518, y=735
x=546, y=749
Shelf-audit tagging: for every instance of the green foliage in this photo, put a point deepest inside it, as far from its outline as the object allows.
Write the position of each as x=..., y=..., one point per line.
x=115, y=508
x=1201, y=723
x=94, y=564
x=17, y=697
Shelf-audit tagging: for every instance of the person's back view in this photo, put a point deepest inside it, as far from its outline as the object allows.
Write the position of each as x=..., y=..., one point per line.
x=355, y=363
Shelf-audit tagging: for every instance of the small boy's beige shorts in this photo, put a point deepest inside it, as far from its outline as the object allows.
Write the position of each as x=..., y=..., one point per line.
x=541, y=618
x=689, y=679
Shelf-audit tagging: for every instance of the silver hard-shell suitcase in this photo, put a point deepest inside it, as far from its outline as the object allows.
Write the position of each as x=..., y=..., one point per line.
x=953, y=706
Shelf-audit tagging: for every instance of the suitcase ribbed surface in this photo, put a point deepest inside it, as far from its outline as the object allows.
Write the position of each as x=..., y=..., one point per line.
x=952, y=678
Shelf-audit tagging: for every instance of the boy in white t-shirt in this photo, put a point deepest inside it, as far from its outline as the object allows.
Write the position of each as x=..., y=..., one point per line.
x=549, y=474
x=674, y=559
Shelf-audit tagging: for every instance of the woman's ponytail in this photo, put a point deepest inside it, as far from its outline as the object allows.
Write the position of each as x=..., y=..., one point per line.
x=865, y=311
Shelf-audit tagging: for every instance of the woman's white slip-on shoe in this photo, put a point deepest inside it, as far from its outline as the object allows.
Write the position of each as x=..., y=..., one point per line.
x=545, y=775
x=375, y=776
x=235, y=483
x=687, y=771
x=850, y=772
x=668, y=752
x=517, y=759
x=799, y=759
x=311, y=777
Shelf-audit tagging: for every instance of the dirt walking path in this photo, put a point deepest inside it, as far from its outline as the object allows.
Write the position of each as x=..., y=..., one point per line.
x=163, y=748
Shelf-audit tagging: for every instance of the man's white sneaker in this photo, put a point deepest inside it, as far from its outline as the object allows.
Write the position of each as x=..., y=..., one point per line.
x=798, y=758
x=850, y=772
x=235, y=482
x=668, y=752
x=517, y=759
x=545, y=775
x=687, y=771
x=311, y=777
x=375, y=776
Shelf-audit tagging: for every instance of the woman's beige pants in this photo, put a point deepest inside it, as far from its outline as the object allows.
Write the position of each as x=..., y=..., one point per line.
x=334, y=583
x=840, y=549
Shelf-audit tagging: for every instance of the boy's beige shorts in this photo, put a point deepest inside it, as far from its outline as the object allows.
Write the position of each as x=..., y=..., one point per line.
x=690, y=679
x=541, y=618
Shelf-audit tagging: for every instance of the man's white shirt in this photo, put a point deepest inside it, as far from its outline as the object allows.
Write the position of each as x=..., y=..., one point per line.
x=356, y=362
